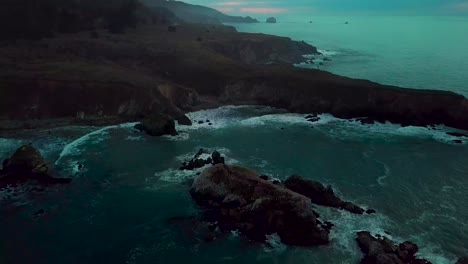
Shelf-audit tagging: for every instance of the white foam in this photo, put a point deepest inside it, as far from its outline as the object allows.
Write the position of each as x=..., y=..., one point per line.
x=274, y=244
x=175, y=175
x=135, y=138
x=8, y=146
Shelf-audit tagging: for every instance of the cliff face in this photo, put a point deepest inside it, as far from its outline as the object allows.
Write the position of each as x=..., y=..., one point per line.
x=153, y=70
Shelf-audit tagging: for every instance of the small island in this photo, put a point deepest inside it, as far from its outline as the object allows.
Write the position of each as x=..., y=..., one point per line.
x=271, y=20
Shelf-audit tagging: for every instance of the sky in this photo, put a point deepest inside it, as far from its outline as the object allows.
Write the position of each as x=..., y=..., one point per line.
x=337, y=7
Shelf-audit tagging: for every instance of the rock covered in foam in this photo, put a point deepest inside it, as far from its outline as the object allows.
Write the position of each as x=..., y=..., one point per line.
x=158, y=124
x=320, y=194
x=238, y=199
x=199, y=162
x=26, y=164
x=382, y=250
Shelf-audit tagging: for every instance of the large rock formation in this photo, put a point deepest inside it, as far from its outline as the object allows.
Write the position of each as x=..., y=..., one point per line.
x=320, y=194
x=158, y=124
x=27, y=164
x=271, y=20
x=238, y=199
x=382, y=250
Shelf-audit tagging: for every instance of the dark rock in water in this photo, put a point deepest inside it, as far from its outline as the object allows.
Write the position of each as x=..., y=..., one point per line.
x=366, y=121
x=158, y=124
x=217, y=158
x=276, y=182
x=321, y=64
x=310, y=116
x=197, y=162
x=319, y=194
x=282, y=128
x=27, y=164
x=370, y=211
x=346, y=23
x=326, y=59
x=264, y=177
x=207, y=121
x=237, y=199
x=200, y=122
x=313, y=119
x=381, y=250
x=184, y=120
x=462, y=260
x=39, y=212
x=327, y=225
x=457, y=134
x=457, y=141
x=271, y=20
x=80, y=166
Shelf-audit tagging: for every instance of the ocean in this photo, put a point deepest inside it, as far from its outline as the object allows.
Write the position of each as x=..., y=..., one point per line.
x=131, y=204
x=410, y=51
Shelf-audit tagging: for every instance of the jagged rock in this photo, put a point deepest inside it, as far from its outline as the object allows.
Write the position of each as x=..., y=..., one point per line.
x=157, y=125
x=184, y=120
x=319, y=194
x=457, y=141
x=237, y=199
x=197, y=162
x=370, y=211
x=26, y=164
x=271, y=20
x=382, y=250
x=217, y=158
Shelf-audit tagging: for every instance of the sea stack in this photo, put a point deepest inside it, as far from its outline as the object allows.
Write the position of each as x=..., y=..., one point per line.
x=271, y=20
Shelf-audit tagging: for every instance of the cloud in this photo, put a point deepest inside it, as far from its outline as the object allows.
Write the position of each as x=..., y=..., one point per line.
x=463, y=6
x=263, y=10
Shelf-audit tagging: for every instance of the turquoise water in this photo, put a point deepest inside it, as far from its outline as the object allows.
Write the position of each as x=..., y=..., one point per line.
x=121, y=206
x=415, y=52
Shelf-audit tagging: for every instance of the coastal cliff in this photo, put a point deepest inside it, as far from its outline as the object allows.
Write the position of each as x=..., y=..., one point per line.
x=126, y=77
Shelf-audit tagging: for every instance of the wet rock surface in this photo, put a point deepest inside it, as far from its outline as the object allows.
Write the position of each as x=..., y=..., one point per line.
x=321, y=195
x=238, y=199
x=158, y=124
x=198, y=162
x=381, y=250
x=27, y=164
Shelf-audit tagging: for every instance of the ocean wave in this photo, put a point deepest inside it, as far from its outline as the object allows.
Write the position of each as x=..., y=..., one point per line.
x=73, y=149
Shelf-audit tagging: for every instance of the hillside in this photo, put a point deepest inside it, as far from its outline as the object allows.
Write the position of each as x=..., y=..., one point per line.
x=198, y=14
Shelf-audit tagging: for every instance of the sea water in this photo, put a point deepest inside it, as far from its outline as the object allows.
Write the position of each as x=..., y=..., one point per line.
x=130, y=203
x=421, y=52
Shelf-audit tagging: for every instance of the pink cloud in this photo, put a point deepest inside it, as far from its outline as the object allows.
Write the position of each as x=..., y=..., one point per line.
x=263, y=10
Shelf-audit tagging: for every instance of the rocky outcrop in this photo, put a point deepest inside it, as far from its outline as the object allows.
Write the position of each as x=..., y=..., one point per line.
x=462, y=260
x=199, y=162
x=257, y=49
x=27, y=164
x=158, y=124
x=184, y=120
x=320, y=194
x=381, y=250
x=271, y=20
x=238, y=199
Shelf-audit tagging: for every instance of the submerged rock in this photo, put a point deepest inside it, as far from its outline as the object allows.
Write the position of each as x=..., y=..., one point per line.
x=26, y=164
x=238, y=199
x=320, y=194
x=157, y=125
x=382, y=250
